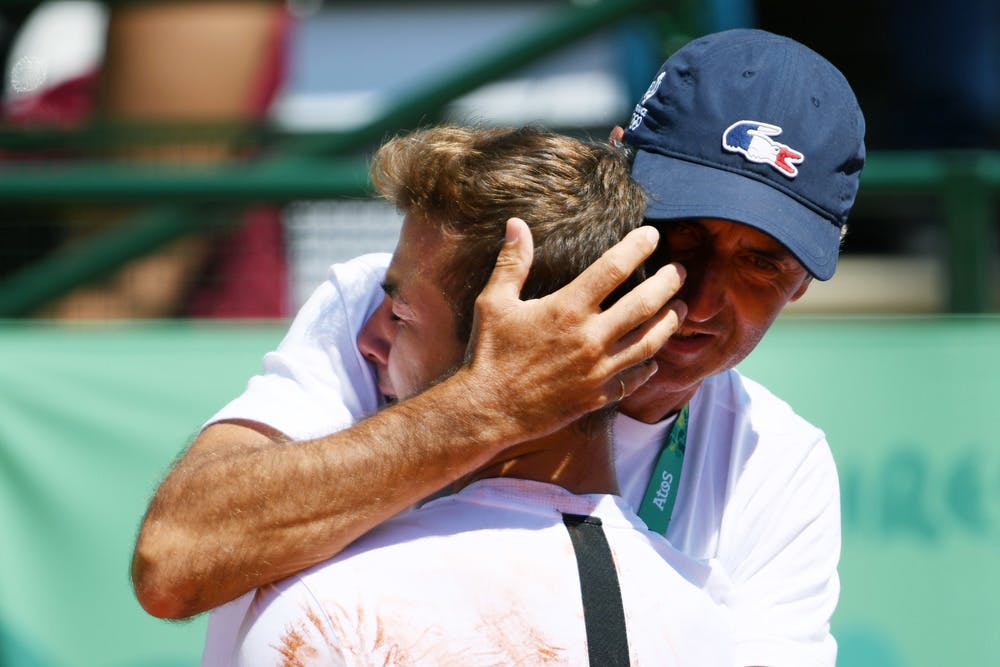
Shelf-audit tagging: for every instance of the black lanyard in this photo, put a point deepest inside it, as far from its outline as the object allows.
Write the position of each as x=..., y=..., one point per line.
x=603, y=613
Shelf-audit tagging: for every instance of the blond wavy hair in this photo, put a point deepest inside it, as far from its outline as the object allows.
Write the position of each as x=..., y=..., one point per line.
x=577, y=198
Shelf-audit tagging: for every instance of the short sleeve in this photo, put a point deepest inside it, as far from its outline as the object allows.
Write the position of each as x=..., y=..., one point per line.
x=316, y=382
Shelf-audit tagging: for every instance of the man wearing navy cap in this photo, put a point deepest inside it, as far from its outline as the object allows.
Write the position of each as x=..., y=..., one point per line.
x=750, y=147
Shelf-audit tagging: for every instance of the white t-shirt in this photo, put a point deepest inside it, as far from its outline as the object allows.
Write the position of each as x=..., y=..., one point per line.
x=485, y=577
x=758, y=502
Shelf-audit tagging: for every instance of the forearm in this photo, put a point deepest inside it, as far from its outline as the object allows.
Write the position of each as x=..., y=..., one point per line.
x=241, y=510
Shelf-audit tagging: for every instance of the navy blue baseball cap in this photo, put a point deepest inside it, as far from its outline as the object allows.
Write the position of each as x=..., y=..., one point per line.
x=753, y=127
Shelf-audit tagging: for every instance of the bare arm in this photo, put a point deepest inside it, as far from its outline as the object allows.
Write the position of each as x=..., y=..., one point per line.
x=242, y=509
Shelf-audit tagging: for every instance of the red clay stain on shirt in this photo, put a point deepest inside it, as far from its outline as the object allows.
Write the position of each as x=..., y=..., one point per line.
x=519, y=641
x=294, y=649
x=317, y=623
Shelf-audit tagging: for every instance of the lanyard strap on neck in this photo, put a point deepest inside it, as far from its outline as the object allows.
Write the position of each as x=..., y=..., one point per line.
x=603, y=611
x=658, y=502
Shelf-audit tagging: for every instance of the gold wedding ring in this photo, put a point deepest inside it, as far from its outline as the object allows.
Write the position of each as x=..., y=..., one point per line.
x=622, y=383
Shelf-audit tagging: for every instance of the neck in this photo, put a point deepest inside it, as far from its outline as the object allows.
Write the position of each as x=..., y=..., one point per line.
x=578, y=458
x=649, y=406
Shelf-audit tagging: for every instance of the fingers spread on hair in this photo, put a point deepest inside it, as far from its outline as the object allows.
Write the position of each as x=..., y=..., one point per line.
x=512, y=263
x=602, y=277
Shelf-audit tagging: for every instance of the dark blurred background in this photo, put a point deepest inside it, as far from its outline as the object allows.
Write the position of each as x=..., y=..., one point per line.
x=190, y=92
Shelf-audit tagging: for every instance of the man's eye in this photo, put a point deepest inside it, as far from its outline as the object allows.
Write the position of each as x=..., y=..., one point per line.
x=394, y=317
x=683, y=250
x=682, y=245
x=763, y=263
x=685, y=229
x=682, y=239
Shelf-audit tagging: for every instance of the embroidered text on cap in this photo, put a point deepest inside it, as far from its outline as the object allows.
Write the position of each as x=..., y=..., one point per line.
x=640, y=110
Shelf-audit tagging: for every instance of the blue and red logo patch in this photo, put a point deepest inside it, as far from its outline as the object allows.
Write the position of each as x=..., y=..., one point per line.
x=753, y=140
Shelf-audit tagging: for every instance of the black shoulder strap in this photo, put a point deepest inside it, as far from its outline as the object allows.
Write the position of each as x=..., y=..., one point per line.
x=603, y=614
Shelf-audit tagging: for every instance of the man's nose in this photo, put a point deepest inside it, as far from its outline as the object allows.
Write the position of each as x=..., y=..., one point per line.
x=704, y=290
x=375, y=339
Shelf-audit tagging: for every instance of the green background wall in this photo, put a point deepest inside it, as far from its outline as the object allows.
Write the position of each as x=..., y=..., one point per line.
x=91, y=417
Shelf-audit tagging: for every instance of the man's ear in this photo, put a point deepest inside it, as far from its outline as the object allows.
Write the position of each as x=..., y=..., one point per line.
x=802, y=289
x=617, y=136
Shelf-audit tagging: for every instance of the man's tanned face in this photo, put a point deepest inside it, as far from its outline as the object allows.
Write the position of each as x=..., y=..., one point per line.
x=411, y=339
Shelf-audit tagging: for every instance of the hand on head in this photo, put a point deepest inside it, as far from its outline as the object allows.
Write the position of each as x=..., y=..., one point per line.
x=561, y=356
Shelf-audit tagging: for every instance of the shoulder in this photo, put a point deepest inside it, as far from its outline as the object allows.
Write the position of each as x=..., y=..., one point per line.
x=757, y=461
x=316, y=381
x=348, y=280
x=352, y=286
x=363, y=270
x=735, y=392
x=758, y=442
x=752, y=414
x=343, y=301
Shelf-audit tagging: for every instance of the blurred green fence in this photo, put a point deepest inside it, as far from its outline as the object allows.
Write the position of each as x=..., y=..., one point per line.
x=961, y=185
x=91, y=417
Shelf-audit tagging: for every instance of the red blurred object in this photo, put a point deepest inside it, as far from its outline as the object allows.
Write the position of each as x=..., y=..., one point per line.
x=247, y=273
x=66, y=105
x=248, y=277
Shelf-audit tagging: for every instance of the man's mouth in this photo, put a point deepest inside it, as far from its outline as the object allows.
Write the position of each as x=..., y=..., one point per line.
x=688, y=341
x=688, y=334
x=383, y=384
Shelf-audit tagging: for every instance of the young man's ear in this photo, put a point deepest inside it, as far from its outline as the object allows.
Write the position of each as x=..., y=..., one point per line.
x=617, y=136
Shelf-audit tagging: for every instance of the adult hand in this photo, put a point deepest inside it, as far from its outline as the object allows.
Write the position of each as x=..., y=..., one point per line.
x=548, y=361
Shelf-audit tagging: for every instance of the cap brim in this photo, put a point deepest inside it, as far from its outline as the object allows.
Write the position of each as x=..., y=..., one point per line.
x=680, y=189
